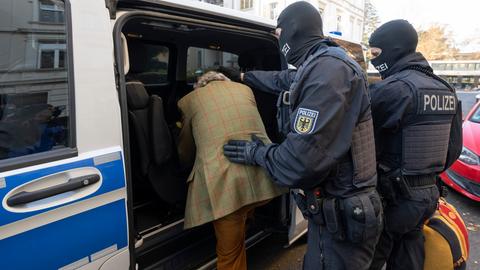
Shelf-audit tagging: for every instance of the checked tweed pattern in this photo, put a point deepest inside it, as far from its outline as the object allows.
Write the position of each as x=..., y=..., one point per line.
x=212, y=115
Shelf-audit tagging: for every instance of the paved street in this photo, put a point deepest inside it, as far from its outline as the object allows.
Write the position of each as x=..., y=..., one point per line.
x=468, y=100
x=270, y=254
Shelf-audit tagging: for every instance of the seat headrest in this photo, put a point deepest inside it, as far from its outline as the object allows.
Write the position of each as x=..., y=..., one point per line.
x=137, y=96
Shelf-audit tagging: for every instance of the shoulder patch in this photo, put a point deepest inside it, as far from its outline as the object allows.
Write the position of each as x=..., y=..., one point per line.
x=305, y=121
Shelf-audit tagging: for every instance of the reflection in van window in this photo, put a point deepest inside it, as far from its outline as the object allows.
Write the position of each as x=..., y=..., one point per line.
x=148, y=63
x=202, y=60
x=34, y=96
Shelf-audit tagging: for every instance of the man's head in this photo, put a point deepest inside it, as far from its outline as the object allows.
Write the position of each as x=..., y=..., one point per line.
x=299, y=28
x=209, y=77
x=391, y=42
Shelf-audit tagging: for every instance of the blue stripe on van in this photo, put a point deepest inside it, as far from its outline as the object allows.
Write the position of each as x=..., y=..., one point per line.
x=66, y=241
x=112, y=173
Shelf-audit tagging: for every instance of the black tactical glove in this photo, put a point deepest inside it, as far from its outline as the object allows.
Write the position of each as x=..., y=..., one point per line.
x=241, y=151
x=232, y=73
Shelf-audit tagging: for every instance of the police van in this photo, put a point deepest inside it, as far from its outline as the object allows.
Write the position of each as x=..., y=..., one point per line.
x=89, y=176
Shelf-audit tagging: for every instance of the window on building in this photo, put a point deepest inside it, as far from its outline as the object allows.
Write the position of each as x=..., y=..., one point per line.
x=34, y=113
x=200, y=61
x=352, y=26
x=51, y=11
x=273, y=10
x=359, y=31
x=321, y=8
x=438, y=66
x=468, y=80
x=246, y=4
x=51, y=54
x=339, y=22
x=471, y=66
x=477, y=66
x=149, y=64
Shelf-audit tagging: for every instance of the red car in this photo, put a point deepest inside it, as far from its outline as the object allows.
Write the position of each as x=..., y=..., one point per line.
x=464, y=174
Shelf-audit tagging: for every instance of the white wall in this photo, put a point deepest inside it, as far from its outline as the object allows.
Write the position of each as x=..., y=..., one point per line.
x=332, y=8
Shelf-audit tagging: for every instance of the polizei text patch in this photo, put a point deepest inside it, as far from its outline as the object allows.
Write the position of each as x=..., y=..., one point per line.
x=436, y=102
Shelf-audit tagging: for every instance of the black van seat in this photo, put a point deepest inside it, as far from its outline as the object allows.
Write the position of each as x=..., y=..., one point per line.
x=152, y=146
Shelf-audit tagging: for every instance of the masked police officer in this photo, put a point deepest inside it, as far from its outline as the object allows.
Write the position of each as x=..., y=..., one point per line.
x=412, y=111
x=328, y=150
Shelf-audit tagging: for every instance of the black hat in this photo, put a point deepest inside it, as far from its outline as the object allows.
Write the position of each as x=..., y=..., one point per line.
x=397, y=39
x=301, y=26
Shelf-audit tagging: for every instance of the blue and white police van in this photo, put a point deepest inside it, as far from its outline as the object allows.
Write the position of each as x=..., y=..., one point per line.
x=89, y=177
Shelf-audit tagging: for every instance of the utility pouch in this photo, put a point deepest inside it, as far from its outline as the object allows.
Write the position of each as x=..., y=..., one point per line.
x=333, y=218
x=314, y=204
x=361, y=222
x=283, y=113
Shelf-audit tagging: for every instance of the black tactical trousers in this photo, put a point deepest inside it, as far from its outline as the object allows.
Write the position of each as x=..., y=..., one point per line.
x=326, y=252
x=401, y=245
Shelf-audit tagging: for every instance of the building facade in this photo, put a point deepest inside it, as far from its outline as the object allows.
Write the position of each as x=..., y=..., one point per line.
x=344, y=17
x=461, y=74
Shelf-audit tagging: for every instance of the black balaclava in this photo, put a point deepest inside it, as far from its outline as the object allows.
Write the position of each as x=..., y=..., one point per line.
x=301, y=26
x=397, y=39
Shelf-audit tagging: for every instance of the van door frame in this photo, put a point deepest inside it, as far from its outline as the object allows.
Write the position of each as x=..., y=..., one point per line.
x=121, y=87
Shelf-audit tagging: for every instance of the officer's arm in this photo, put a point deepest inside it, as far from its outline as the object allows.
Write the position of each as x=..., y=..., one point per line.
x=305, y=157
x=389, y=102
x=269, y=81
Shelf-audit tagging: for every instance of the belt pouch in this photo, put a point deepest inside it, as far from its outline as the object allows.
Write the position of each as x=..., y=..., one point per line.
x=333, y=219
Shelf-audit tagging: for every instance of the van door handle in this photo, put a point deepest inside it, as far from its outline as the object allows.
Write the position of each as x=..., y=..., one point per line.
x=72, y=184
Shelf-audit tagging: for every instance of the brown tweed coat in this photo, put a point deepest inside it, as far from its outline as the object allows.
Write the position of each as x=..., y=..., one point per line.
x=212, y=115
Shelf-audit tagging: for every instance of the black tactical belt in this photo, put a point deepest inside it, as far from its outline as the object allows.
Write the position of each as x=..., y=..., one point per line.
x=420, y=180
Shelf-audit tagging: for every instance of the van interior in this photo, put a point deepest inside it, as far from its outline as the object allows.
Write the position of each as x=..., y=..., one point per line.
x=165, y=58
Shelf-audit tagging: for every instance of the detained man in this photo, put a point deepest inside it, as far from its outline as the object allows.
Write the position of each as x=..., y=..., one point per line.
x=219, y=191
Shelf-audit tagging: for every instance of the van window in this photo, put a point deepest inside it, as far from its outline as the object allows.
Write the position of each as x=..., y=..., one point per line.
x=149, y=63
x=34, y=78
x=200, y=60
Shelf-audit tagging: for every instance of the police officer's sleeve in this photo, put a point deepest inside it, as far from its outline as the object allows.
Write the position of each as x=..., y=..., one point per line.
x=269, y=81
x=321, y=129
x=389, y=104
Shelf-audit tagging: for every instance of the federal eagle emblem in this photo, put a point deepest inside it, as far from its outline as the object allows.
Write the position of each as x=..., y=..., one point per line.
x=305, y=121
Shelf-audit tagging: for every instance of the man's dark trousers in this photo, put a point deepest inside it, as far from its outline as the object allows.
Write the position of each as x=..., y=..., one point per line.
x=401, y=244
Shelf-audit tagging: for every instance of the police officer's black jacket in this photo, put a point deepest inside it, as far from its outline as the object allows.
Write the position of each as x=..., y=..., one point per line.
x=327, y=103
x=412, y=114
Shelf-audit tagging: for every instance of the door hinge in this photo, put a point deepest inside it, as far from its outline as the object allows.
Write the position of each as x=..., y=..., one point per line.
x=112, y=8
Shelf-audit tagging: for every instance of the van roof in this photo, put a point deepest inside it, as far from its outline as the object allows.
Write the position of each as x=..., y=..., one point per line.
x=215, y=11
x=209, y=9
